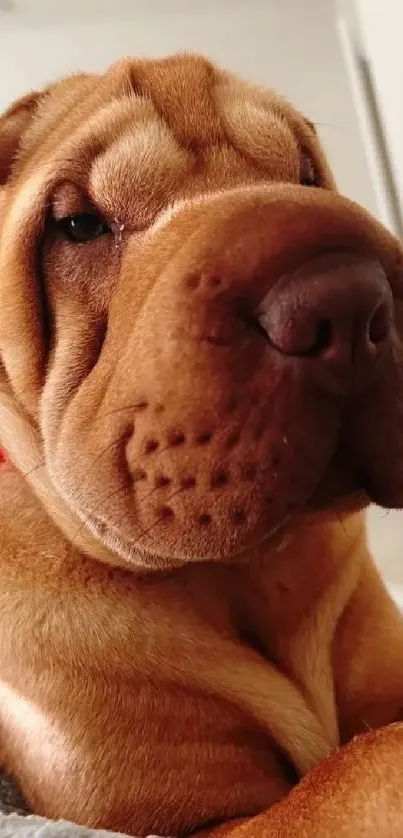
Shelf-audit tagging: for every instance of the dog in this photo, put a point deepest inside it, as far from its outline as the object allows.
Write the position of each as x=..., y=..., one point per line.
x=201, y=389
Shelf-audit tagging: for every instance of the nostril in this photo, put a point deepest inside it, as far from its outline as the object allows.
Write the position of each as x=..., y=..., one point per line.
x=379, y=324
x=323, y=339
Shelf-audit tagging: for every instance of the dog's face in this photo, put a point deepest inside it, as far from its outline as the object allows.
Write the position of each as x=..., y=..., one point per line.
x=203, y=337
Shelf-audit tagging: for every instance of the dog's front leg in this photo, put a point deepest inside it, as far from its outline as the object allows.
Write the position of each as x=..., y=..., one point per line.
x=358, y=791
x=368, y=658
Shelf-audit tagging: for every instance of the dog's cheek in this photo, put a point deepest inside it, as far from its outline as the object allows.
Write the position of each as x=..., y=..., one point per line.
x=87, y=273
x=79, y=282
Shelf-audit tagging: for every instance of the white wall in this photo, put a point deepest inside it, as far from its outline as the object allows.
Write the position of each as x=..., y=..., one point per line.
x=381, y=27
x=291, y=45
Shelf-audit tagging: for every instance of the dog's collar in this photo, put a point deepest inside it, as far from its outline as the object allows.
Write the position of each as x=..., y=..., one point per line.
x=4, y=461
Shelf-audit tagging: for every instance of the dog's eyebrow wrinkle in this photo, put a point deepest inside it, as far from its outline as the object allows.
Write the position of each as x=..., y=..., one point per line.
x=259, y=133
x=139, y=173
x=181, y=91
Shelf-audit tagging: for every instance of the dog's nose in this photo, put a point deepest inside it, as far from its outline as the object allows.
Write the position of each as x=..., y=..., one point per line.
x=335, y=310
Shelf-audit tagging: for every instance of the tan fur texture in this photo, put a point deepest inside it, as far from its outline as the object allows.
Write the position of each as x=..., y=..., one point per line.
x=190, y=620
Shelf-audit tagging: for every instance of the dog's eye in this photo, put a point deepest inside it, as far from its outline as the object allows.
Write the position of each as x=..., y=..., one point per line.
x=309, y=175
x=309, y=181
x=84, y=227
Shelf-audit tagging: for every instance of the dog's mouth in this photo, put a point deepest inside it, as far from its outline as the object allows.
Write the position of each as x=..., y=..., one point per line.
x=174, y=493
x=340, y=488
x=340, y=491
x=214, y=480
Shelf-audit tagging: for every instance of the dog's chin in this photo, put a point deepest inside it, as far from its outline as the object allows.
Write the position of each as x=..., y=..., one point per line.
x=341, y=490
x=131, y=554
x=338, y=494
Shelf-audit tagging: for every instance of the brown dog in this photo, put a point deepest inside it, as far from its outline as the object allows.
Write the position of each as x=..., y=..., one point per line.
x=201, y=389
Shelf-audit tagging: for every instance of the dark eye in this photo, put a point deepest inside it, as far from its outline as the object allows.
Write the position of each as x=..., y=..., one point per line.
x=309, y=176
x=84, y=227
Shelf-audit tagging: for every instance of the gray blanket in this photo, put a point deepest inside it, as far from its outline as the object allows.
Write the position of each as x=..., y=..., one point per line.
x=15, y=820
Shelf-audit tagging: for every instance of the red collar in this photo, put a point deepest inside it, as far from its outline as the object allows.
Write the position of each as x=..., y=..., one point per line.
x=4, y=461
x=5, y=464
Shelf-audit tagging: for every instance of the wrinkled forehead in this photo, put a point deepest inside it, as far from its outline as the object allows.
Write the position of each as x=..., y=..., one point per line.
x=153, y=131
x=192, y=144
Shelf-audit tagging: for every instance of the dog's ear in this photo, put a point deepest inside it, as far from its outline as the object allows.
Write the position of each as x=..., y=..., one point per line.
x=13, y=125
x=311, y=126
